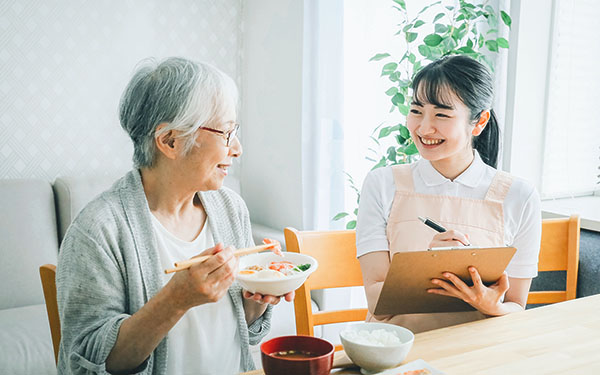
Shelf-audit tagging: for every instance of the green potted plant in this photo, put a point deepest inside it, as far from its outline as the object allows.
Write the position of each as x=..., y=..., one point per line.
x=465, y=28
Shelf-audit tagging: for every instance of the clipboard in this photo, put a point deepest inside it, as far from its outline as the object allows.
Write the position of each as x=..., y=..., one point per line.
x=405, y=287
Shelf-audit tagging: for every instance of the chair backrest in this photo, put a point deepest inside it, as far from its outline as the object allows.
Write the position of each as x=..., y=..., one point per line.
x=559, y=251
x=48, y=277
x=338, y=267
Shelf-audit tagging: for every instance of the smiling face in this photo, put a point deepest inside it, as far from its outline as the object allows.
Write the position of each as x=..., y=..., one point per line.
x=442, y=132
x=210, y=158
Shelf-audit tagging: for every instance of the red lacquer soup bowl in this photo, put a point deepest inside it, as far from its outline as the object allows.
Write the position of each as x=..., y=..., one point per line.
x=297, y=355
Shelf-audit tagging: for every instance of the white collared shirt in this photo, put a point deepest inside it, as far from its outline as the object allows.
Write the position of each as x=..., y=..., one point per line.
x=522, y=208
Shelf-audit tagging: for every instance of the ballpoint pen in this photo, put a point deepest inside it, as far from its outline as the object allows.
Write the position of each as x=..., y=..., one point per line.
x=432, y=224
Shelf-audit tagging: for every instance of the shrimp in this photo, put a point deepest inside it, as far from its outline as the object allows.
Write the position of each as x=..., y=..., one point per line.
x=276, y=248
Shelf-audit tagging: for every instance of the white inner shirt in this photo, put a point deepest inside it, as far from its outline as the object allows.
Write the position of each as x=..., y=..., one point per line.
x=206, y=340
x=522, y=208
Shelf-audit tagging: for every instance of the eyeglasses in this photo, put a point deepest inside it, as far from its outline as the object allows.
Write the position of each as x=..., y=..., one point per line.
x=228, y=135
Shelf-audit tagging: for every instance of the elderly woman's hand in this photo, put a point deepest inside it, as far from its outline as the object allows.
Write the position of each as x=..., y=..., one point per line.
x=204, y=282
x=273, y=300
x=255, y=304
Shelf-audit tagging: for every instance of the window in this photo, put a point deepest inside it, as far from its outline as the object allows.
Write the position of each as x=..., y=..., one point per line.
x=572, y=134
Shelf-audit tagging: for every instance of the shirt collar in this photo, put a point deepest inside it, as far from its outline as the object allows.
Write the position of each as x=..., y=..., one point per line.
x=470, y=177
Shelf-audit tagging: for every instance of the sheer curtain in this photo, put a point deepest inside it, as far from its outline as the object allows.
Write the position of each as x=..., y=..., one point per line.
x=322, y=131
x=572, y=136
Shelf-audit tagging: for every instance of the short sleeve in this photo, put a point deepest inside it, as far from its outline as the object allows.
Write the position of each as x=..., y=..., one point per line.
x=373, y=212
x=527, y=240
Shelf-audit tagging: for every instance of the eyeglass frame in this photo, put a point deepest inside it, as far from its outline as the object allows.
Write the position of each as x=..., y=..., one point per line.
x=227, y=135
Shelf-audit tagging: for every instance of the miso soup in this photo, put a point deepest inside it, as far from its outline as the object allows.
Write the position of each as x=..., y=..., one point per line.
x=293, y=354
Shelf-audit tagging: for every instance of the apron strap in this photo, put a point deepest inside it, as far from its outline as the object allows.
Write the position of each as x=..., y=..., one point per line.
x=403, y=178
x=499, y=187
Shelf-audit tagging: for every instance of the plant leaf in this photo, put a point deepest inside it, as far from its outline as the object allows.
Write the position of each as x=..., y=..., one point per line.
x=410, y=37
x=419, y=23
x=411, y=149
x=505, y=18
x=379, y=56
x=432, y=40
x=502, y=43
x=398, y=99
x=384, y=132
x=351, y=224
x=404, y=132
x=403, y=109
x=440, y=28
x=391, y=154
x=465, y=50
x=492, y=45
x=401, y=3
x=391, y=91
x=438, y=16
x=424, y=51
x=339, y=216
x=381, y=163
x=389, y=68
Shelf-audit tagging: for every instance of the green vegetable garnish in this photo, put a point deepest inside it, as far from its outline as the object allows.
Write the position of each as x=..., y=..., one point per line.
x=302, y=267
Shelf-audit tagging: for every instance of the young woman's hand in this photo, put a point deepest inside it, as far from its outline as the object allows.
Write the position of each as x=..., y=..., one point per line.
x=204, y=282
x=488, y=300
x=450, y=238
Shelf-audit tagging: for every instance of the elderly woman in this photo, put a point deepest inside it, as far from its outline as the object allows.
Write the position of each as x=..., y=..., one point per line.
x=119, y=312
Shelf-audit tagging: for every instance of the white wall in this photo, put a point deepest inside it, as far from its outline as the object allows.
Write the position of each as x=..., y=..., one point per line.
x=64, y=65
x=271, y=176
x=528, y=72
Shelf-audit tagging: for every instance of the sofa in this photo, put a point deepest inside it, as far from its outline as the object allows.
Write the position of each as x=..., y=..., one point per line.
x=34, y=218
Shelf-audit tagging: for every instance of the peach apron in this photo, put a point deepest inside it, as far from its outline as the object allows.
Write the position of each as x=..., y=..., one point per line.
x=481, y=219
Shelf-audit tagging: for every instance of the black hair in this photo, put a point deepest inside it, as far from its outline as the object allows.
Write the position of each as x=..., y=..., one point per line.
x=472, y=82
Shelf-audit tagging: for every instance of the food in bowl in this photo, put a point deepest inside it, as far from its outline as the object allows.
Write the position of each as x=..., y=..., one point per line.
x=377, y=337
x=275, y=270
x=376, y=346
x=297, y=355
x=268, y=273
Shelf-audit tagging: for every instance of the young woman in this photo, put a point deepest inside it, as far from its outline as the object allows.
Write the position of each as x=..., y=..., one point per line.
x=456, y=184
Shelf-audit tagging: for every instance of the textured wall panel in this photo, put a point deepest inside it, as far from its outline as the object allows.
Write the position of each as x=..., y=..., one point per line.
x=64, y=65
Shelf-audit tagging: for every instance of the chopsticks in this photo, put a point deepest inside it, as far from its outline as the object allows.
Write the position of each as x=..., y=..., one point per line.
x=185, y=264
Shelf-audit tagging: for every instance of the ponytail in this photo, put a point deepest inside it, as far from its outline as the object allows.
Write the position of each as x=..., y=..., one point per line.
x=487, y=143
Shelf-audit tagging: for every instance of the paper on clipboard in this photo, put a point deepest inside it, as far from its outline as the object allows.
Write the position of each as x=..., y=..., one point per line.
x=405, y=287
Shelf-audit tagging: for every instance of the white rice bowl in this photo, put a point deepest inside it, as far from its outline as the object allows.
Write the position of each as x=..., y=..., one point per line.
x=376, y=346
x=270, y=283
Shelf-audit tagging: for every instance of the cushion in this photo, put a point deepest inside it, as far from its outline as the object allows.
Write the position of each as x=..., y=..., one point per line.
x=259, y=232
x=29, y=239
x=25, y=342
x=73, y=193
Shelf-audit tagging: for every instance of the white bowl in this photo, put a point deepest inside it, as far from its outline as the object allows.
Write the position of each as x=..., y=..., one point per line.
x=373, y=359
x=275, y=287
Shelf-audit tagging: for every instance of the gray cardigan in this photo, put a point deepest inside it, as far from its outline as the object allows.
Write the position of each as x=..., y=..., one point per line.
x=108, y=268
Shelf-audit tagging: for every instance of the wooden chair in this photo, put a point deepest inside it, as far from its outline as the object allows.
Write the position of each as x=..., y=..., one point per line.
x=48, y=277
x=559, y=251
x=338, y=267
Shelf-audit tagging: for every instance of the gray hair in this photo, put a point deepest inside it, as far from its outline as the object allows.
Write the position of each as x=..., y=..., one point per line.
x=182, y=93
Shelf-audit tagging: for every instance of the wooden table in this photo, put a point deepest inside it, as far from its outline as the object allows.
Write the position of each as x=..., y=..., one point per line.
x=563, y=338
